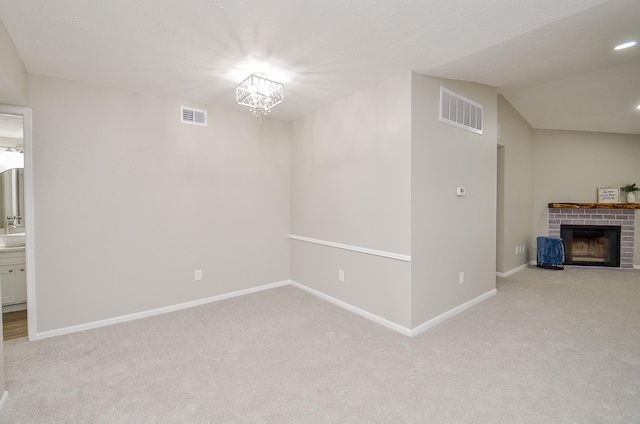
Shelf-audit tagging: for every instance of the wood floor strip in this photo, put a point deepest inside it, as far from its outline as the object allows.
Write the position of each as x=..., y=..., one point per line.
x=14, y=325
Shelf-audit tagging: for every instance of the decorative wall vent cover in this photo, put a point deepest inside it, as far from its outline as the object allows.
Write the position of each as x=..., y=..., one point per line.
x=193, y=116
x=460, y=112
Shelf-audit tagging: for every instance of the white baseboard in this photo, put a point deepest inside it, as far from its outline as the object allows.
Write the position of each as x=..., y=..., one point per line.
x=390, y=324
x=511, y=272
x=455, y=311
x=368, y=315
x=365, y=314
x=636, y=267
x=152, y=312
x=3, y=401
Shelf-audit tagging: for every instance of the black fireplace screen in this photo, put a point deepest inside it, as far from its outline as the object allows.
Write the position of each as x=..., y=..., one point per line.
x=591, y=245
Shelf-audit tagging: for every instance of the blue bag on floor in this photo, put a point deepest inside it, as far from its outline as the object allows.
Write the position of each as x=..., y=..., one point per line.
x=550, y=253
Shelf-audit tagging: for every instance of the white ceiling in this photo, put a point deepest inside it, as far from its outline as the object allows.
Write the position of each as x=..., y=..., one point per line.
x=551, y=59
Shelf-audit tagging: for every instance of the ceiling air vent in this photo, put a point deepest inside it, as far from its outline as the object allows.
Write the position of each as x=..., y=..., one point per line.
x=460, y=112
x=193, y=116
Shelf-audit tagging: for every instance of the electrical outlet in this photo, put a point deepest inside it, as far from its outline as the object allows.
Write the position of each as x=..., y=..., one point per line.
x=341, y=275
x=517, y=249
x=197, y=275
x=462, y=278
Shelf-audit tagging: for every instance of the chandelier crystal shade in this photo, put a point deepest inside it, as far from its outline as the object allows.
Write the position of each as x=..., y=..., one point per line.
x=260, y=94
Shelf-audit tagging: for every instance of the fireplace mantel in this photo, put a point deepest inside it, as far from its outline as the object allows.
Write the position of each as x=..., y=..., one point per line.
x=594, y=205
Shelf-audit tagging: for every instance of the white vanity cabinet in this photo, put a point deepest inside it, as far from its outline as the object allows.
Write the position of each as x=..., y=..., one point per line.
x=13, y=277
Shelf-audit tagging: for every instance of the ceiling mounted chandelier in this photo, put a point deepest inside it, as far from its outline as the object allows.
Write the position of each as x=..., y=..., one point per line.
x=260, y=94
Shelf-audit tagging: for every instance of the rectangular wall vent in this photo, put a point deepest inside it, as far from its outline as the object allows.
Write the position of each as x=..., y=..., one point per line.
x=460, y=112
x=193, y=116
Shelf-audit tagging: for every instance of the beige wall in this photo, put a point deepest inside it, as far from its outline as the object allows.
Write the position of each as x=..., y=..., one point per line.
x=129, y=202
x=351, y=184
x=451, y=234
x=570, y=165
x=516, y=184
x=14, y=78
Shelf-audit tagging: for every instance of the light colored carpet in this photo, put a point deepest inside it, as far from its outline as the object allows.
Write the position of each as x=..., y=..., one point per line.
x=550, y=347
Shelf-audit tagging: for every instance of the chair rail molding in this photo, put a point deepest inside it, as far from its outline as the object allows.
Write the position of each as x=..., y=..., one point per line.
x=390, y=255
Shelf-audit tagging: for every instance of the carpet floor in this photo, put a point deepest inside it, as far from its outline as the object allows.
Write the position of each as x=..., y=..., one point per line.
x=550, y=347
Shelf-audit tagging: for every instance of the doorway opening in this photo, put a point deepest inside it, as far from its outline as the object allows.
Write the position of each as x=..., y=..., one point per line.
x=16, y=238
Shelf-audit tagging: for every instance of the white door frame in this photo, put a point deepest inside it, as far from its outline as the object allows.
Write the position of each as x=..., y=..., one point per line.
x=29, y=220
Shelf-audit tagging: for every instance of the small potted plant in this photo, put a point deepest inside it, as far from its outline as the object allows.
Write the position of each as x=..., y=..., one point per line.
x=629, y=189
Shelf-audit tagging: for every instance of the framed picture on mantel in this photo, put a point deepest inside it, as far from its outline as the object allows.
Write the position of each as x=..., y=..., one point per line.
x=608, y=194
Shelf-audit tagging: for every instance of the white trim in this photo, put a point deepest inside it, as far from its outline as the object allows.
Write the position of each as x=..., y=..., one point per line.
x=390, y=324
x=382, y=253
x=153, y=312
x=636, y=267
x=365, y=314
x=368, y=315
x=511, y=272
x=455, y=311
x=3, y=401
x=29, y=212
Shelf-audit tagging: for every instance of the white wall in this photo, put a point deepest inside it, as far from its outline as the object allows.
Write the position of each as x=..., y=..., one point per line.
x=14, y=78
x=514, y=227
x=571, y=165
x=451, y=234
x=129, y=202
x=351, y=184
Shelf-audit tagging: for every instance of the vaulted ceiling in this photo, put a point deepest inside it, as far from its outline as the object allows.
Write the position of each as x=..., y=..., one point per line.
x=553, y=60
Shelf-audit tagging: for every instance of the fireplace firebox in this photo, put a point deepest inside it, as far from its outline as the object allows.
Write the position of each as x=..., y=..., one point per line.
x=591, y=245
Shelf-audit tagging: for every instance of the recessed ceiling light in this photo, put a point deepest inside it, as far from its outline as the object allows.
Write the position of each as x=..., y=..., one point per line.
x=638, y=107
x=625, y=45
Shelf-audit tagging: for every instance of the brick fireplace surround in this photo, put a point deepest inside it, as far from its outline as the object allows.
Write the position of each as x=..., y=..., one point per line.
x=617, y=215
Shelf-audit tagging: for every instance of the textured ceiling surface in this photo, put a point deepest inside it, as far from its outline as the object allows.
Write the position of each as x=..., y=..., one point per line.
x=551, y=59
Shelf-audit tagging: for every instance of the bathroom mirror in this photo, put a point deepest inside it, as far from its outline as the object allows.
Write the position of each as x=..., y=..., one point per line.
x=12, y=196
x=11, y=169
